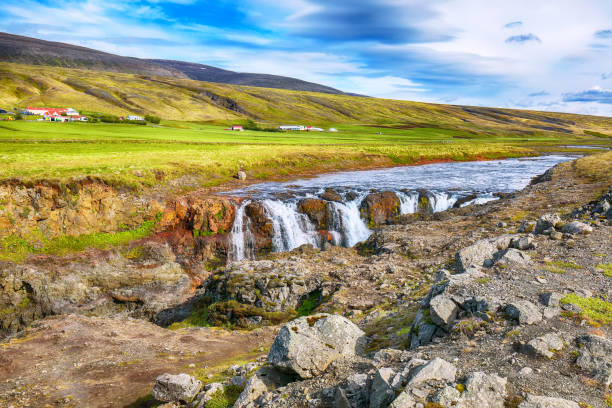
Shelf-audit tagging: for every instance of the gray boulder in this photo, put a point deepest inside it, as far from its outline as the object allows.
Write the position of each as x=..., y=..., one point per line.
x=545, y=345
x=436, y=369
x=241, y=175
x=596, y=357
x=306, y=346
x=546, y=222
x=550, y=299
x=447, y=396
x=535, y=401
x=513, y=256
x=443, y=311
x=523, y=311
x=577, y=227
x=381, y=392
x=483, y=391
x=356, y=389
x=523, y=243
x=404, y=400
x=180, y=387
x=482, y=253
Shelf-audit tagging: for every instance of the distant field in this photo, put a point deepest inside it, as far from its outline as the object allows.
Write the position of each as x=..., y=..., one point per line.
x=132, y=155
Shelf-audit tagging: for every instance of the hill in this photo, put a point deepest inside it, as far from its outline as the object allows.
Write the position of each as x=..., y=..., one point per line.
x=27, y=50
x=186, y=99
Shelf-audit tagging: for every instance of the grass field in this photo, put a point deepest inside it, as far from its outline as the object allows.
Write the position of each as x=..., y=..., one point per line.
x=133, y=155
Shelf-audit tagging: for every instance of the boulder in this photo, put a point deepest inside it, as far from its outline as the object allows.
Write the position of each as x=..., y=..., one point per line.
x=180, y=387
x=317, y=211
x=545, y=345
x=331, y=195
x=523, y=311
x=577, y=227
x=262, y=227
x=550, y=299
x=436, y=369
x=443, y=311
x=483, y=391
x=241, y=175
x=596, y=357
x=546, y=222
x=447, y=396
x=482, y=253
x=523, y=243
x=534, y=401
x=307, y=345
x=513, y=257
x=380, y=208
x=381, y=392
x=404, y=400
x=356, y=389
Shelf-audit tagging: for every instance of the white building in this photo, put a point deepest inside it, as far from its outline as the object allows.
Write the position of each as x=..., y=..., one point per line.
x=291, y=127
x=134, y=117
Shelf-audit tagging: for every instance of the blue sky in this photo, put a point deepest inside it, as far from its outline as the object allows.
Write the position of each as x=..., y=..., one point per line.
x=542, y=54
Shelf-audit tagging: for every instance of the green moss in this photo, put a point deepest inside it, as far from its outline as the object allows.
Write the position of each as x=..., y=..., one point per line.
x=309, y=304
x=594, y=309
x=198, y=317
x=231, y=312
x=606, y=268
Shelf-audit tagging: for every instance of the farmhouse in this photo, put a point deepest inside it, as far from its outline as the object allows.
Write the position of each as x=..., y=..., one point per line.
x=51, y=111
x=134, y=117
x=313, y=129
x=237, y=128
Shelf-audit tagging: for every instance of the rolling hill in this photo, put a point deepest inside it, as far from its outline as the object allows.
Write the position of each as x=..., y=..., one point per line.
x=27, y=50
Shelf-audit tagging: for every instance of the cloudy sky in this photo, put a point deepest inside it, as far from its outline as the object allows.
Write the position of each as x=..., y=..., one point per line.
x=537, y=54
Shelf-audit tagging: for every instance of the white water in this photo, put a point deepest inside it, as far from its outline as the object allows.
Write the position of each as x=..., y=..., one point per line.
x=444, y=185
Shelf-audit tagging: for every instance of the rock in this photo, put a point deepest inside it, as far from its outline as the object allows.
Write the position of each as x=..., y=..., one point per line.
x=546, y=222
x=577, y=227
x=443, y=311
x=181, y=387
x=265, y=380
x=523, y=311
x=525, y=372
x=381, y=392
x=527, y=226
x=550, y=298
x=241, y=175
x=446, y=396
x=307, y=345
x=380, y=208
x=550, y=312
x=356, y=389
x=436, y=369
x=596, y=357
x=317, y=211
x=238, y=380
x=404, y=400
x=331, y=195
x=534, y=401
x=207, y=394
x=523, y=243
x=545, y=345
x=513, y=257
x=483, y=391
x=555, y=235
x=341, y=400
x=262, y=226
x=481, y=253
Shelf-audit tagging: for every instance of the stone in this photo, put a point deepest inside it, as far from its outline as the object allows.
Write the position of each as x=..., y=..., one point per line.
x=550, y=312
x=513, y=256
x=436, y=369
x=340, y=399
x=380, y=208
x=555, y=235
x=534, y=401
x=523, y=243
x=545, y=345
x=331, y=195
x=446, y=396
x=523, y=311
x=356, y=388
x=546, y=222
x=550, y=298
x=180, y=387
x=483, y=391
x=238, y=380
x=525, y=371
x=241, y=175
x=577, y=227
x=404, y=400
x=443, y=311
x=481, y=253
x=596, y=357
x=318, y=212
x=307, y=345
x=265, y=380
x=381, y=392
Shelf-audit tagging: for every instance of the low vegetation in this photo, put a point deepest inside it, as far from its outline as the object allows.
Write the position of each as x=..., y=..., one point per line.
x=596, y=311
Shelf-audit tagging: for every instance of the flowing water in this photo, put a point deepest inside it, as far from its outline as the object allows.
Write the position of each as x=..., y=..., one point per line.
x=443, y=184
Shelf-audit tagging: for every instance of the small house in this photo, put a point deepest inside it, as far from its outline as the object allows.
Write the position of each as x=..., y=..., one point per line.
x=313, y=129
x=237, y=128
x=291, y=127
x=135, y=117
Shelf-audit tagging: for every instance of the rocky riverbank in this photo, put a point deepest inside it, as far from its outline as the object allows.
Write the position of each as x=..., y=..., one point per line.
x=502, y=304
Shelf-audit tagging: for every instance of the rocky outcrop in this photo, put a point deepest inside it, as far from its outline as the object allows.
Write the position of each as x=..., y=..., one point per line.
x=380, y=208
x=596, y=357
x=317, y=211
x=262, y=227
x=483, y=253
x=80, y=207
x=536, y=401
x=306, y=346
x=181, y=387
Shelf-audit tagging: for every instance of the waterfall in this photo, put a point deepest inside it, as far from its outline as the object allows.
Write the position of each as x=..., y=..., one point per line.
x=346, y=223
x=441, y=201
x=291, y=229
x=242, y=244
x=409, y=202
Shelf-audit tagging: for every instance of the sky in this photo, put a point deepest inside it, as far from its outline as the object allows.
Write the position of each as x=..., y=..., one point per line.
x=530, y=54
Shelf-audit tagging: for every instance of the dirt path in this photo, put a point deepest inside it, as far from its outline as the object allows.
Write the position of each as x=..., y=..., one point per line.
x=78, y=361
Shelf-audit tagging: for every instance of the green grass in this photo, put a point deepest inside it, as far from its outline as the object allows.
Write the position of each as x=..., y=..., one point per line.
x=309, y=304
x=17, y=248
x=606, y=269
x=597, y=311
x=561, y=267
x=225, y=398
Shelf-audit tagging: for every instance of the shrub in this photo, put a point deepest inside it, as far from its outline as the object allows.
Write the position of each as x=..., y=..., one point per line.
x=153, y=119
